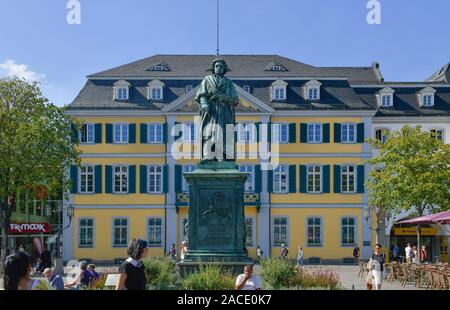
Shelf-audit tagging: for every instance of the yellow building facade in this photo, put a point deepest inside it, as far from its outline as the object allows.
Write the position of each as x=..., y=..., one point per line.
x=139, y=135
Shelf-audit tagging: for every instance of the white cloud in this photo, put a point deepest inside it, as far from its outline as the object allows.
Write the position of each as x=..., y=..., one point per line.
x=10, y=68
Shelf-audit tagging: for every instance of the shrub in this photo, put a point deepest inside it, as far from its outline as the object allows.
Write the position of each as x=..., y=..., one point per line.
x=278, y=273
x=209, y=277
x=317, y=277
x=160, y=272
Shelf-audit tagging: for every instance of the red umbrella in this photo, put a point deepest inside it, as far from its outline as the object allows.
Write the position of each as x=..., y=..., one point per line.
x=441, y=217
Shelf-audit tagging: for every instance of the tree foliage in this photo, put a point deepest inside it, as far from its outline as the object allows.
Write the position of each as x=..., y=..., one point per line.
x=35, y=141
x=412, y=172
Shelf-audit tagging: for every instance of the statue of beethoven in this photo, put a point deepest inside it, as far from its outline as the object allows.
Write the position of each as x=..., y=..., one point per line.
x=217, y=99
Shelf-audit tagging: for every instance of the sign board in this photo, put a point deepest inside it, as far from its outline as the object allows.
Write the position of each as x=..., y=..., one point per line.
x=29, y=228
x=412, y=231
x=366, y=243
x=111, y=279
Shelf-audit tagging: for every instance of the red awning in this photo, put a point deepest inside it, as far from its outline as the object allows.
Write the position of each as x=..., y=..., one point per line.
x=440, y=218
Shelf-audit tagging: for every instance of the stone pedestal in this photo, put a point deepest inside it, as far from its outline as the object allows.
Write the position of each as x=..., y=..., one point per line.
x=216, y=217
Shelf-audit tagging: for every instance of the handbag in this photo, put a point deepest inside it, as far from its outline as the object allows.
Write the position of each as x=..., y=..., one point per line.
x=369, y=281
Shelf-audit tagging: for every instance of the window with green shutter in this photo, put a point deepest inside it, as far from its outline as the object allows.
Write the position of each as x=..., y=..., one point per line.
x=258, y=179
x=292, y=179
x=303, y=133
x=326, y=178
x=337, y=178
x=361, y=178
x=132, y=134
x=326, y=133
x=143, y=130
x=360, y=134
x=98, y=133
x=108, y=179
x=293, y=133
x=74, y=178
x=303, y=179
x=337, y=133
x=109, y=133
x=132, y=179
x=98, y=179
x=143, y=179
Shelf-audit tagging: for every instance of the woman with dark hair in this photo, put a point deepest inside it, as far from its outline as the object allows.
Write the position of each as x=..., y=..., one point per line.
x=83, y=278
x=131, y=272
x=18, y=267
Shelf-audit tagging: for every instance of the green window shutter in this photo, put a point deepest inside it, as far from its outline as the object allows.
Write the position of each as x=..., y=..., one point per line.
x=337, y=178
x=326, y=133
x=132, y=179
x=360, y=177
x=74, y=179
x=108, y=179
x=132, y=133
x=292, y=179
x=178, y=178
x=74, y=134
x=165, y=133
x=166, y=178
x=337, y=133
x=269, y=132
x=293, y=133
x=270, y=180
x=144, y=131
x=98, y=133
x=98, y=179
x=258, y=179
x=303, y=179
x=143, y=179
x=258, y=132
x=326, y=178
x=303, y=133
x=109, y=133
x=360, y=133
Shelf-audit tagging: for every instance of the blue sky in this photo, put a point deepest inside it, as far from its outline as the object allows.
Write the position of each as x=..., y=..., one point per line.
x=36, y=42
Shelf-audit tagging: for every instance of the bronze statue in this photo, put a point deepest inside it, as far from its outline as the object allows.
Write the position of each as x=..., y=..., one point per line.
x=217, y=99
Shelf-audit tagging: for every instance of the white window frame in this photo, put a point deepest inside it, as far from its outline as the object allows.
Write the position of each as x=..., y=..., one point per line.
x=250, y=169
x=155, y=139
x=86, y=174
x=348, y=226
x=161, y=228
x=278, y=243
x=122, y=93
x=349, y=174
x=314, y=227
x=80, y=227
x=121, y=227
x=277, y=130
x=427, y=92
x=158, y=86
x=280, y=171
x=246, y=133
x=312, y=90
x=121, y=135
x=314, y=125
x=247, y=88
x=120, y=175
x=386, y=92
x=153, y=175
x=90, y=128
x=314, y=175
x=250, y=242
x=278, y=86
x=435, y=136
x=347, y=138
x=184, y=184
x=189, y=132
x=386, y=130
x=188, y=88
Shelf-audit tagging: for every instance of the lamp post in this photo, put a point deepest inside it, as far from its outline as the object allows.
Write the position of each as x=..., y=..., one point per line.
x=380, y=223
x=69, y=211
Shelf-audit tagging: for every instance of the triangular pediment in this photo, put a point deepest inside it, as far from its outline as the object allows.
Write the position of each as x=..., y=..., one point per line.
x=247, y=103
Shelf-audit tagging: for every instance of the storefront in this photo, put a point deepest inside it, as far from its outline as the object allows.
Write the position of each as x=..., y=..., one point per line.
x=29, y=237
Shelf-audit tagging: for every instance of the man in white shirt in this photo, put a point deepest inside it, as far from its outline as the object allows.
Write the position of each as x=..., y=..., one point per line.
x=248, y=281
x=408, y=250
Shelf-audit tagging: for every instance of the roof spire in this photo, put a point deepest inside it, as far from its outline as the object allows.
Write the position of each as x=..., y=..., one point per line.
x=217, y=50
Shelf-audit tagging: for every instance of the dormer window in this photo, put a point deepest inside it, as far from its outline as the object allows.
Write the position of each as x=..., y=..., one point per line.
x=162, y=66
x=426, y=97
x=156, y=90
x=386, y=97
x=279, y=90
x=312, y=89
x=247, y=88
x=122, y=90
x=275, y=67
x=189, y=88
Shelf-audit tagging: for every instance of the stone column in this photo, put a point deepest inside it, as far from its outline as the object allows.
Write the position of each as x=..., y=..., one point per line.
x=264, y=211
x=171, y=214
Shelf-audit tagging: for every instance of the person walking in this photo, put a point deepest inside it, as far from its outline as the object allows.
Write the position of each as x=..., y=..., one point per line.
x=356, y=253
x=284, y=251
x=376, y=266
x=259, y=254
x=408, y=250
x=132, y=272
x=18, y=267
x=300, y=256
x=54, y=280
x=423, y=254
x=248, y=281
x=414, y=256
x=184, y=249
x=396, y=252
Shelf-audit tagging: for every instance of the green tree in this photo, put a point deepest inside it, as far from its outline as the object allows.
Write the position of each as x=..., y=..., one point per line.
x=36, y=145
x=411, y=173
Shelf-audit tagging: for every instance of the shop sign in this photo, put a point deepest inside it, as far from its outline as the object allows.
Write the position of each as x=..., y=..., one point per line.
x=29, y=228
x=412, y=231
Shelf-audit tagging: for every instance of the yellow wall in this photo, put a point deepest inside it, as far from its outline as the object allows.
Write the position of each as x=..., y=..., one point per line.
x=103, y=249
x=331, y=248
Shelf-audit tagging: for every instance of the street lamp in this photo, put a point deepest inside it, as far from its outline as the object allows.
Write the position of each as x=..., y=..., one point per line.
x=368, y=211
x=70, y=212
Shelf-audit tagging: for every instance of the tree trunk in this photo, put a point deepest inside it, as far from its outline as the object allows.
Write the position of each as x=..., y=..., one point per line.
x=418, y=243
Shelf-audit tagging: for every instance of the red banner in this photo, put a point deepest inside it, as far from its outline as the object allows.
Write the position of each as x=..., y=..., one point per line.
x=29, y=228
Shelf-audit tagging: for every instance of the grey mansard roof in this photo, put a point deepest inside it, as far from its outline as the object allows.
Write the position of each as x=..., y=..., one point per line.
x=342, y=88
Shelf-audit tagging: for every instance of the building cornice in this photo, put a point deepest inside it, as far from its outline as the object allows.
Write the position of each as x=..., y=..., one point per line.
x=410, y=119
